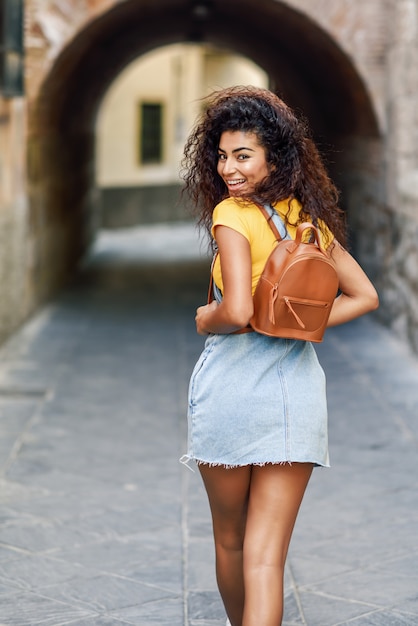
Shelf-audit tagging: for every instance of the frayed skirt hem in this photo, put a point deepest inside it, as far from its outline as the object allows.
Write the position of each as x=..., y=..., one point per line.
x=186, y=459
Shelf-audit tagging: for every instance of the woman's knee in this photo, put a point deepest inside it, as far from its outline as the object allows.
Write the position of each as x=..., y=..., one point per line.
x=229, y=528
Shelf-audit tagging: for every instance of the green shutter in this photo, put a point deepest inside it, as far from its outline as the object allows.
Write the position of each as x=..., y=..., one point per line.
x=151, y=133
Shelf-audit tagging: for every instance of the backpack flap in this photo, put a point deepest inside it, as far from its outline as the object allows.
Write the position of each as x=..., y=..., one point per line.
x=295, y=293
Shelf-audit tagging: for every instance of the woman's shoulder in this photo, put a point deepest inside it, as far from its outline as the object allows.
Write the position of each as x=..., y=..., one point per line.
x=236, y=214
x=236, y=205
x=232, y=208
x=228, y=204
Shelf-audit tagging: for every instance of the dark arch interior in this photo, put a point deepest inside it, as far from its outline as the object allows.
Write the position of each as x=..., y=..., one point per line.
x=305, y=65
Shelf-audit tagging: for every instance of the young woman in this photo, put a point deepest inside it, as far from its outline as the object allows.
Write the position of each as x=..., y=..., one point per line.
x=257, y=406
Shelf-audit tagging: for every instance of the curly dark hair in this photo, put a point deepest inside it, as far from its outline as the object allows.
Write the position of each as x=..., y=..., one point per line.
x=296, y=168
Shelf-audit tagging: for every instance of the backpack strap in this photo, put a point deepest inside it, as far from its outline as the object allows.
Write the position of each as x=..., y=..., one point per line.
x=214, y=293
x=274, y=221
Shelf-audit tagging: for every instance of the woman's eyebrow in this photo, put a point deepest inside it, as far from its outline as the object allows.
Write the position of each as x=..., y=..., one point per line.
x=237, y=149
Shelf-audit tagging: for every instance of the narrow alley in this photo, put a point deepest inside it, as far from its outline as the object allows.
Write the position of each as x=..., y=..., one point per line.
x=100, y=525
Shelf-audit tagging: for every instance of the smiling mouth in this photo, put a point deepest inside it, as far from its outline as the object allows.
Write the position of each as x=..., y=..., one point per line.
x=233, y=183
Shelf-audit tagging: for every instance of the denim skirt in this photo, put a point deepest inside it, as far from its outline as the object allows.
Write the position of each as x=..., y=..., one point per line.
x=255, y=400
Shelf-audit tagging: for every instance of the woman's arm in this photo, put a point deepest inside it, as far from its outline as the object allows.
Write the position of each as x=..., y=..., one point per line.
x=236, y=308
x=358, y=296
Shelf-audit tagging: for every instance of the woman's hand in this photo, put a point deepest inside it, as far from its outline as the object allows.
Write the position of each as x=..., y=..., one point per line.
x=201, y=315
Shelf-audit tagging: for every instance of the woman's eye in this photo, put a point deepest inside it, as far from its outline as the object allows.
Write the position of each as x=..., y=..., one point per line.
x=221, y=157
x=242, y=157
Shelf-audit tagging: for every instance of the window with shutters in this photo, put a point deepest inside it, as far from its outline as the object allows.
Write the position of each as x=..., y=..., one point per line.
x=151, y=133
x=11, y=48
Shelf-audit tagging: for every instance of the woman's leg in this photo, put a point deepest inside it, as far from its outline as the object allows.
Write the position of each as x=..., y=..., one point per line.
x=276, y=492
x=228, y=491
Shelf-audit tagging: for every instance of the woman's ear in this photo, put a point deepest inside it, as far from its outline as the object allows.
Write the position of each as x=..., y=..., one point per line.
x=270, y=162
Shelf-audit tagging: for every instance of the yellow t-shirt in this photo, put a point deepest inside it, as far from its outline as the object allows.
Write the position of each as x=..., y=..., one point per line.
x=248, y=220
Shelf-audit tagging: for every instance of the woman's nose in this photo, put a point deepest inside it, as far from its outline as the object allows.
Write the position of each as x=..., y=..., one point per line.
x=228, y=166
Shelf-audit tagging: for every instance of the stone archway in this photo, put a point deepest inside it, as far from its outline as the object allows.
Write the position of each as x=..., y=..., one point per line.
x=306, y=67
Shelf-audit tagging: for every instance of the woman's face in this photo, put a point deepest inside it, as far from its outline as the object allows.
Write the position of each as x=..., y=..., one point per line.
x=241, y=162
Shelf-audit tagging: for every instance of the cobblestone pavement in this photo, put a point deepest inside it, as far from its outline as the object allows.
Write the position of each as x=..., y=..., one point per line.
x=100, y=524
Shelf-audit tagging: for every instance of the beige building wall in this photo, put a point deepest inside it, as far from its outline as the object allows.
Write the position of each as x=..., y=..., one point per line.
x=177, y=76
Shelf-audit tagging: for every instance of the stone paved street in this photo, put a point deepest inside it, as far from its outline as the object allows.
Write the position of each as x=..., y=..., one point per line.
x=100, y=524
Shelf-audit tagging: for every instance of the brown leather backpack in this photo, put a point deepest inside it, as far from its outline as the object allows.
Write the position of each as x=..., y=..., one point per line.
x=296, y=289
